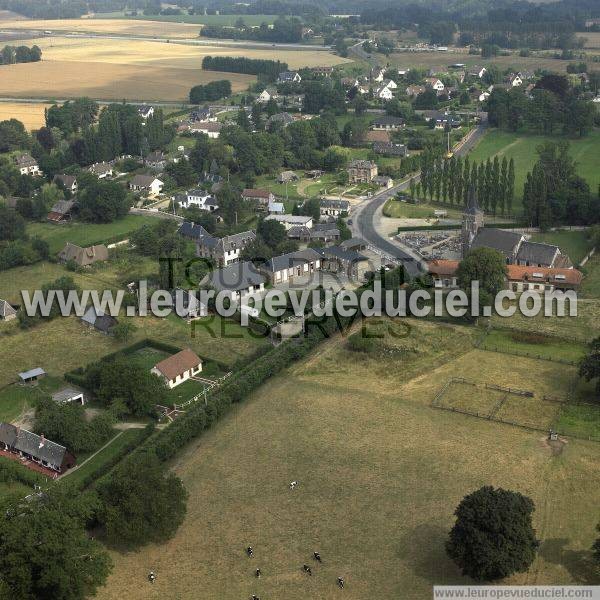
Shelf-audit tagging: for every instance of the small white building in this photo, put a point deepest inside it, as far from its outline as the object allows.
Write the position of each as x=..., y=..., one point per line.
x=27, y=165
x=146, y=183
x=383, y=93
x=197, y=198
x=435, y=83
x=289, y=221
x=178, y=368
x=68, y=395
x=101, y=170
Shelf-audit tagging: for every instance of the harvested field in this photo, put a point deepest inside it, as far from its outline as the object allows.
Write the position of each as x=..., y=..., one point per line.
x=117, y=26
x=31, y=115
x=140, y=70
x=104, y=81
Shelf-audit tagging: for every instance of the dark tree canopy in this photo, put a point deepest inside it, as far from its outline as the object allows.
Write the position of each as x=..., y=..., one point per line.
x=485, y=265
x=142, y=502
x=589, y=367
x=46, y=552
x=493, y=536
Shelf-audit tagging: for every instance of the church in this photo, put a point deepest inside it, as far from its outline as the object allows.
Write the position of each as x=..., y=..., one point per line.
x=514, y=246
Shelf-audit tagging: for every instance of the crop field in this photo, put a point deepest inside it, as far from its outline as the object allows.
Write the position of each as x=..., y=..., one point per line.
x=106, y=26
x=203, y=19
x=141, y=70
x=522, y=148
x=379, y=474
x=592, y=39
x=31, y=115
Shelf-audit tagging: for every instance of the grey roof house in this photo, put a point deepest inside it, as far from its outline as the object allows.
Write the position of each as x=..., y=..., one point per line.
x=237, y=280
x=98, y=320
x=7, y=311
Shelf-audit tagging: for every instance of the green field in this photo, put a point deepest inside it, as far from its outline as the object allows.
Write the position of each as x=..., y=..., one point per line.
x=86, y=234
x=549, y=348
x=16, y=399
x=405, y=210
x=522, y=148
x=590, y=287
x=573, y=243
x=118, y=443
x=380, y=472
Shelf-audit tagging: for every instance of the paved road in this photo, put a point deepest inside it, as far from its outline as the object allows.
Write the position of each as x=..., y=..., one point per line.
x=363, y=223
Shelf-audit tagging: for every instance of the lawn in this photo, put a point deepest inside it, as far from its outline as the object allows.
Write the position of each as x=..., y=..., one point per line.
x=573, y=243
x=16, y=399
x=379, y=474
x=590, y=287
x=549, y=348
x=87, y=234
x=522, y=148
x=118, y=443
x=405, y=210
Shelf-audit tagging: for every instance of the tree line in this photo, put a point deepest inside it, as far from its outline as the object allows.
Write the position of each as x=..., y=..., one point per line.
x=553, y=105
x=10, y=55
x=213, y=90
x=453, y=180
x=283, y=31
x=555, y=194
x=269, y=69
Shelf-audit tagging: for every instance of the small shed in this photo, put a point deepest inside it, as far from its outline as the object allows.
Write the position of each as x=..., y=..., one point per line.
x=31, y=376
x=68, y=395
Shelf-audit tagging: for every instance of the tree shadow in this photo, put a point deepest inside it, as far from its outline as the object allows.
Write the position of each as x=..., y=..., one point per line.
x=423, y=550
x=579, y=563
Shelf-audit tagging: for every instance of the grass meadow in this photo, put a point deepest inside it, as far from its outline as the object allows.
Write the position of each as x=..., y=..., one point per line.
x=379, y=474
x=522, y=148
x=590, y=287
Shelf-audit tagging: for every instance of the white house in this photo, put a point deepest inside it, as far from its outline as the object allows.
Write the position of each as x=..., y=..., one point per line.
x=477, y=71
x=145, y=112
x=390, y=83
x=197, y=198
x=210, y=128
x=383, y=93
x=178, y=368
x=435, y=83
x=515, y=80
x=237, y=281
x=291, y=220
x=289, y=77
x=377, y=74
x=101, y=170
x=280, y=269
x=146, y=183
x=27, y=165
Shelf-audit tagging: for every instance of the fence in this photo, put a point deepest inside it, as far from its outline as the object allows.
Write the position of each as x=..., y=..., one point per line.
x=204, y=393
x=492, y=415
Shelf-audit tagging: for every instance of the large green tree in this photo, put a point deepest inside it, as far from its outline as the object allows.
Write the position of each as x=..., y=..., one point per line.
x=589, y=367
x=493, y=536
x=45, y=552
x=488, y=267
x=142, y=502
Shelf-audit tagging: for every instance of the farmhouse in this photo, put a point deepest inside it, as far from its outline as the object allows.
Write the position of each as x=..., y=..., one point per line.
x=414, y=90
x=146, y=183
x=289, y=221
x=98, y=320
x=260, y=196
x=390, y=149
x=7, y=311
x=191, y=231
x=383, y=93
x=178, y=368
x=388, y=123
x=476, y=71
x=514, y=80
x=211, y=129
x=377, y=74
x=333, y=208
x=198, y=199
x=265, y=96
x=287, y=177
x=68, y=182
x=342, y=260
x=289, y=77
x=145, y=112
x=61, y=211
x=361, y=171
x=280, y=269
x=383, y=181
x=226, y=250
x=35, y=447
x=203, y=115
x=84, y=257
x=156, y=160
x=27, y=165
x=68, y=395
x=101, y=170
x=518, y=278
x=237, y=281
x=435, y=83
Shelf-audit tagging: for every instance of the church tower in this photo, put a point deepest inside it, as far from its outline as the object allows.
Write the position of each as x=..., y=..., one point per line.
x=471, y=223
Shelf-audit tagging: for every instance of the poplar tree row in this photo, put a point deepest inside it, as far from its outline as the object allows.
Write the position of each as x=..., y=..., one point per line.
x=449, y=180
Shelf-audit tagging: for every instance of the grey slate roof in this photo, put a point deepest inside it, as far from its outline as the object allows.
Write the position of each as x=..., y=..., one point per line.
x=286, y=261
x=354, y=242
x=503, y=241
x=38, y=447
x=343, y=205
x=37, y=372
x=191, y=230
x=63, y=207
x=387, y=120
x=537, y=254
x=98, y=319
x=342, y=254
x=236, y=277
x=65, y=395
